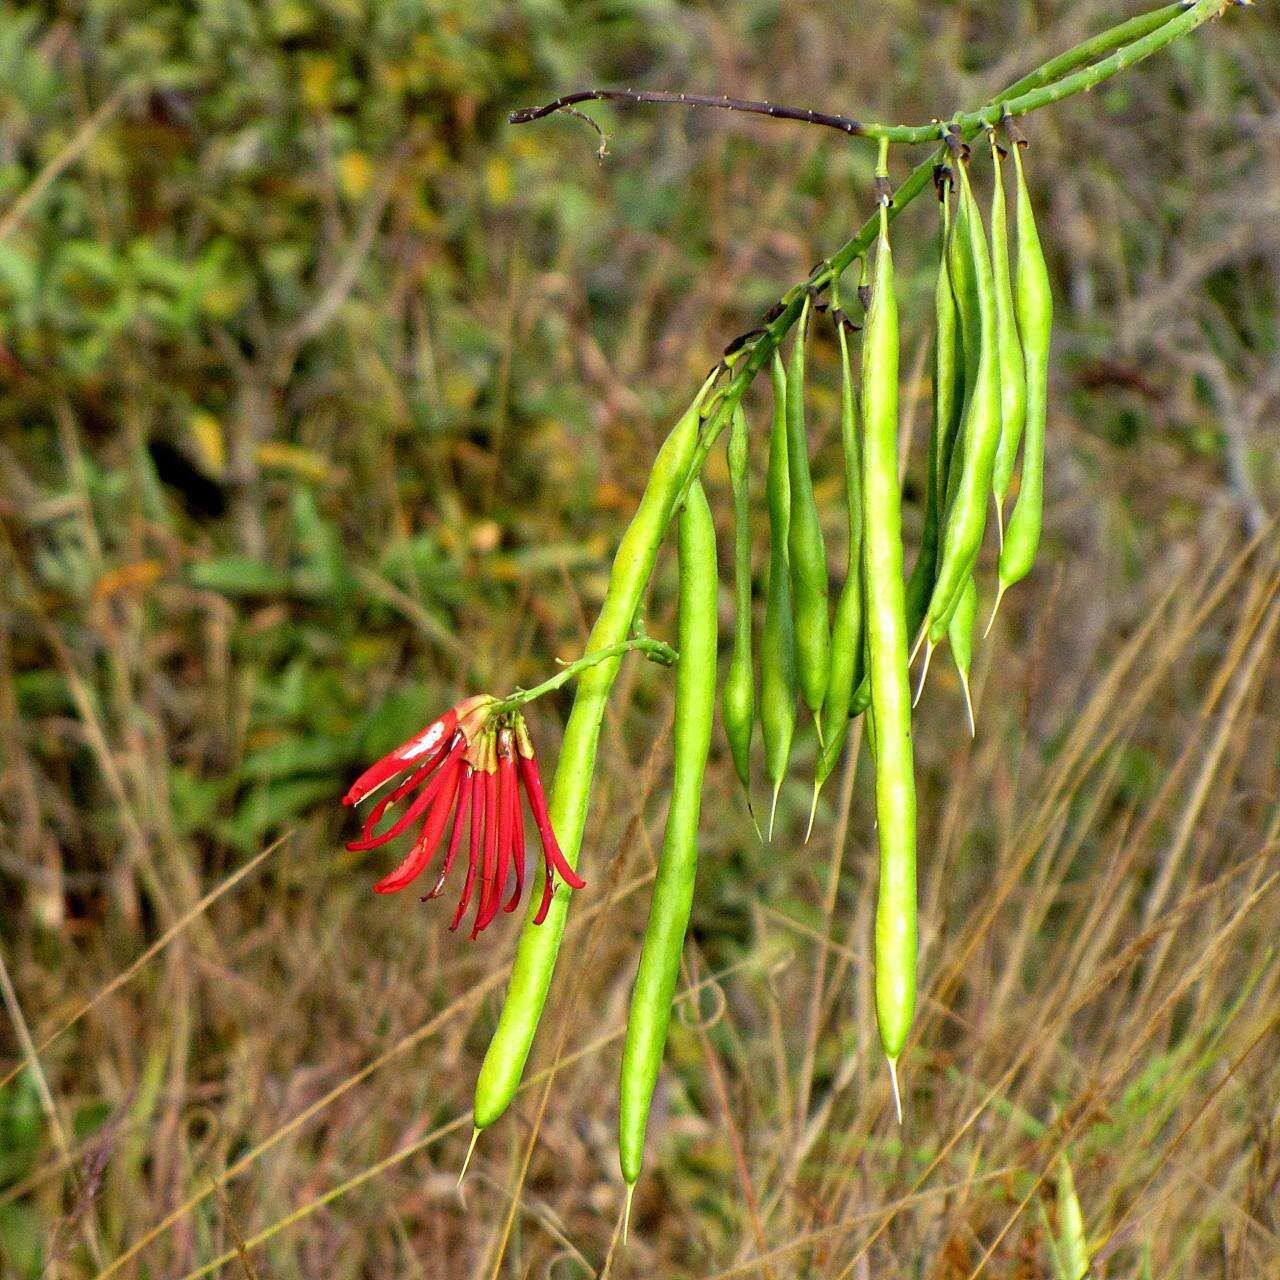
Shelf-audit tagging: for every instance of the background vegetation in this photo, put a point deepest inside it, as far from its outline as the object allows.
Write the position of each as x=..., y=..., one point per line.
x=323, y=397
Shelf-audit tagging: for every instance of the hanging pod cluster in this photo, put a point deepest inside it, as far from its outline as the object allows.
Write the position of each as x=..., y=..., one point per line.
x=991, y=320
x=991, y=316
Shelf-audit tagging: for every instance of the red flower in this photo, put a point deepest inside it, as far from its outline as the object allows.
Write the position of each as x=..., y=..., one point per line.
x=470, y=762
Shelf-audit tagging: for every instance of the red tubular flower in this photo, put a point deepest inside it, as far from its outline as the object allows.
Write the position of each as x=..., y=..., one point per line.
x=432, y=829
x=553, y=859
x=489, y=889
x=370, y=839
x=455, y=836
x=432, y=743
x=470, y=763
x=517, y=842
x=475, y=839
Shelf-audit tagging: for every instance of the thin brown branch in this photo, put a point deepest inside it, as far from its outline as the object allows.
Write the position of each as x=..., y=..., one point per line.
x=803, y=115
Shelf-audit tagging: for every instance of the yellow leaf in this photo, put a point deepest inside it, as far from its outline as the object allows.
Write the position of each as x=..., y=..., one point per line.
x=355, y=173
x=210, y=443
x=293, y=457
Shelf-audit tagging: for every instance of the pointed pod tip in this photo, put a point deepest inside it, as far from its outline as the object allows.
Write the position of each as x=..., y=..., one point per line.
x=773, y=808
x=626, y=1211
x=897, y=1095
x=968, y=703
x=924, y=671
x=813, y=809
x=995, y=608
x=466, y=1164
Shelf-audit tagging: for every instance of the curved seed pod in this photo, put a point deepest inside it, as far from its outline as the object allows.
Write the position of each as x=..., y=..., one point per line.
x=948, y=396
x=1034, y=303
x=651, y=999
x=806, y=548
x=503, y=1065
x=962, y=275
x=960, y=637
x=738, y=697
x=895, y=934
x=777, y=643
x=967, y=506
x=846, y=634
x=1013, y=378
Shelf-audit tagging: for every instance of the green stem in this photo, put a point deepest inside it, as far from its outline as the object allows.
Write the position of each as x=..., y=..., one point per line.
x=1096, y=47
x=655, y=650
x=756, y=353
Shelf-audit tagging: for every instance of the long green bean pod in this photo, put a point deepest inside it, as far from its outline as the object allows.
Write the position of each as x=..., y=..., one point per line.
x=895, y=932
x=1033, y=300
x=948, y=396
x=846, y=632
x=1013, y=378
x=777, y=644
x=962, y=274
x=967, y=510
x=651, y=1000
x=536, y=952
x=738, y=697
x=806, y=548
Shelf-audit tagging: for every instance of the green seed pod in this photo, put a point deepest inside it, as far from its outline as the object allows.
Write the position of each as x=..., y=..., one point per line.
x=967, y=507
x=1013, y=378
x=895, y=934
x=846, y=633
x=738, y=697
x=651, y=999
x=539, y=945
x=777, y=645
x=806, y=547
x=948, y=396
x=962, y=274
x=1034, y=303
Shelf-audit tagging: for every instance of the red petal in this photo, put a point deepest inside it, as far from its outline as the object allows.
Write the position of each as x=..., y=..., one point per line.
x=477, y=827
x=517, y=847
x=538, y=803
x=506, y=786
x=455, y=836
x=419, y=805
x=415, y=779
x=547, y=890
x=432, y=829
x=434, y=739
x=488, y=907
